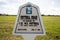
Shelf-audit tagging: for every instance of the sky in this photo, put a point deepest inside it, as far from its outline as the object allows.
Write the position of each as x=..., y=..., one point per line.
x=47, y=7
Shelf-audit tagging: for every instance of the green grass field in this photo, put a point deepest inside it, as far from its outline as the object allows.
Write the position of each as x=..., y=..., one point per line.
x=51, y=24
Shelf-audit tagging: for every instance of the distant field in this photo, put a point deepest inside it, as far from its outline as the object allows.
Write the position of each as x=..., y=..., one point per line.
x=51, y=24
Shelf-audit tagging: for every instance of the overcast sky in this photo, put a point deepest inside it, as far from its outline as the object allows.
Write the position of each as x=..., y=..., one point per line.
x=51, y=7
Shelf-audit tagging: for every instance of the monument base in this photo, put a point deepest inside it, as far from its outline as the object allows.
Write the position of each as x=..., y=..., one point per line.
x=28, y=37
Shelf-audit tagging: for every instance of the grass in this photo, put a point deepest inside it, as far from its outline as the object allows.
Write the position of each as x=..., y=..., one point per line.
x=51, y=24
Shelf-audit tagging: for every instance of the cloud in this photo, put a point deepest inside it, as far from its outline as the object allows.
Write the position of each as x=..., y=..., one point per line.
x=8, y=1
x=46, y=6
x=10, y=9
x=53, y=2
x=2, y=3
x=8, y=6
